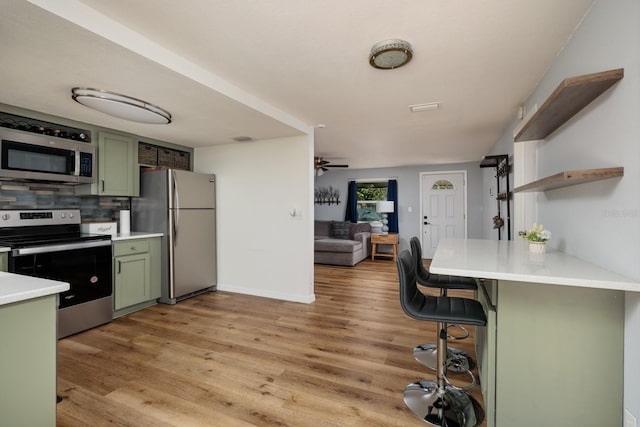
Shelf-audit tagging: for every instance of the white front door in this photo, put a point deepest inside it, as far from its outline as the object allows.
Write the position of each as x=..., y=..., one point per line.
x=443, y=209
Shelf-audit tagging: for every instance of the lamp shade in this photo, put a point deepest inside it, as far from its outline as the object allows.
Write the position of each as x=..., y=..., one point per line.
x=385, y=206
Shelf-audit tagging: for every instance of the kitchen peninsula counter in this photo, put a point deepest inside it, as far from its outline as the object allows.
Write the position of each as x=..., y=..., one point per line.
x=511, y=260
x=552, y=350
x=16, y=287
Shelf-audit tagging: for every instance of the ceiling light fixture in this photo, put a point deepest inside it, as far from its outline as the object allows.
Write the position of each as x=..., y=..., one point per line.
x=121, y=106
x=390, y=54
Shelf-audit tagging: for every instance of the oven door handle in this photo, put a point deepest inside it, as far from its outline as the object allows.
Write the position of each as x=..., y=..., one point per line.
x=59, y=248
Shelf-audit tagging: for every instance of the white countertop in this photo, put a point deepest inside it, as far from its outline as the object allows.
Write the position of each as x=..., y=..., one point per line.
x=4, y=249
x=15, y=287
x=511, y=260
x=135, y=235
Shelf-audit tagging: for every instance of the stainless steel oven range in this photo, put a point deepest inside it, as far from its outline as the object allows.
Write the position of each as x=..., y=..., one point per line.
x=49, y=244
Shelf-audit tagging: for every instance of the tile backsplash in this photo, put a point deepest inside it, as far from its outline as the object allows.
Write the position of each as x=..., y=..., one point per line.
x=36, y=195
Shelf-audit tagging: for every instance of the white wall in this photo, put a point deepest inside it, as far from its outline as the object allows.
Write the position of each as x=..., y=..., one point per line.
x=262, y=249
x=408, y=195
x=599, y=221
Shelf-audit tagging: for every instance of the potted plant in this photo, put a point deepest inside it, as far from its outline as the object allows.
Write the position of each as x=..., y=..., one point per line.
x=537, y=238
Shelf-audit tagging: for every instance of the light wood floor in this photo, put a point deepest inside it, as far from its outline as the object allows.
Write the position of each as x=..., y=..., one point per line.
x=224, y=359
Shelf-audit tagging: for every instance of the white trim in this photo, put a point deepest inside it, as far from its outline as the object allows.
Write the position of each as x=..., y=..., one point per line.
x=307, y=299
x=466, y=204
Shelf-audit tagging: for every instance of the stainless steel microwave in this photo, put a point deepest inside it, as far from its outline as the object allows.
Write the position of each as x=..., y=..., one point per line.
x=28, y=156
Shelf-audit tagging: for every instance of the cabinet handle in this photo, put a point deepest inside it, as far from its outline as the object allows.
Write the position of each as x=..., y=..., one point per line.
x=119, y=267
x=102, y=181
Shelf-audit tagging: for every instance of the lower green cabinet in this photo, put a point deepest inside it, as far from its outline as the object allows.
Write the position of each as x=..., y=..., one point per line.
x=28, y=357
x=132, y=281
x=136, y=274
x=4, y=261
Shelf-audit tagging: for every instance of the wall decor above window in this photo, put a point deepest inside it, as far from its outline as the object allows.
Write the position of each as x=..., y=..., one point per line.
x=327, y=196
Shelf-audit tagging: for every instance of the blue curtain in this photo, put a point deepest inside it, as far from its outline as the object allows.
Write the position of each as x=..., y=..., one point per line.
x=352, y=198
x=392, y=195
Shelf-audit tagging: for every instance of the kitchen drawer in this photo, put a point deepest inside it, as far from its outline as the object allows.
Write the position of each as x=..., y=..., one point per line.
x=130, y=247
x=147, y=154
x=385, y=239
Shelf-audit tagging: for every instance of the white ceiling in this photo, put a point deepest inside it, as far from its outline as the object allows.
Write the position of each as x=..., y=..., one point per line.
x=265, y=69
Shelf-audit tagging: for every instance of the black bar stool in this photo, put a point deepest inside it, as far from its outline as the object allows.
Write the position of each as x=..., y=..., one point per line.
x=440, y=281
x=457, y=360
x=437, y=402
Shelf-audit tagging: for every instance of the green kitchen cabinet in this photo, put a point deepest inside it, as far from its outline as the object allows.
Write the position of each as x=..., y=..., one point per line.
x=537, y=333
x=28, y=355
x=136, y=274
x=4, y=261
x=117, y=164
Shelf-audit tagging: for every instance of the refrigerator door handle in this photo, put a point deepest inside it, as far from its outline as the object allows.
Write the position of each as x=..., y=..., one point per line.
x=176, y=196
x=176, y=207
x=176, y=225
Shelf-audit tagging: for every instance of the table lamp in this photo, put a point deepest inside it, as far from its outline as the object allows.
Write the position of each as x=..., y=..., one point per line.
x=384, y=207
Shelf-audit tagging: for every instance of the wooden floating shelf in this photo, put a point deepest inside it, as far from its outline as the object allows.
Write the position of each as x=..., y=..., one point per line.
x=571, y=96
x=567, y=178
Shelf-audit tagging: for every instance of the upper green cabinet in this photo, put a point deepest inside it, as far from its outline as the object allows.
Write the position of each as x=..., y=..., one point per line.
x=116, y=165
x=117, y=173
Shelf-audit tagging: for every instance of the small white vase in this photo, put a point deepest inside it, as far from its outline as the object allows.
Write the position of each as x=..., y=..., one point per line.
x=538, y=247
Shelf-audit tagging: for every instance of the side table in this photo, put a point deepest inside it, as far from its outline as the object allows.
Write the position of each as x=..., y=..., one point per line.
x=384, y=239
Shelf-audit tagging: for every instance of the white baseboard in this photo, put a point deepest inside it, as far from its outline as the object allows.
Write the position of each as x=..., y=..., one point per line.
x=307, y=299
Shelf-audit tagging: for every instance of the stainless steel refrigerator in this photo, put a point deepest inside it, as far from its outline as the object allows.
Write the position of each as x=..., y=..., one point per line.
x=180, y=204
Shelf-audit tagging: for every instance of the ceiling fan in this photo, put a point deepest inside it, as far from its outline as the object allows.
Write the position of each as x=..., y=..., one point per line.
x=321, y=165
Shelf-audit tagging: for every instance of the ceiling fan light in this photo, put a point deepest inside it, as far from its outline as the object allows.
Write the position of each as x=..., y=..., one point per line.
x=121, y=106
x=390, y=54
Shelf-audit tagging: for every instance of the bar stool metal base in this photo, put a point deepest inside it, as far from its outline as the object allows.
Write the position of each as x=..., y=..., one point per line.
x=442, y=407
x=457, y=360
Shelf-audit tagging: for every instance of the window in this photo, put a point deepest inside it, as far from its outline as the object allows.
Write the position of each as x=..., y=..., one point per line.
x=368, y=193
x=443, y=184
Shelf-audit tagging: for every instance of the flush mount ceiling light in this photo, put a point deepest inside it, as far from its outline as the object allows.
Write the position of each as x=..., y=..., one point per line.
x=121, y=106
x=389, y=54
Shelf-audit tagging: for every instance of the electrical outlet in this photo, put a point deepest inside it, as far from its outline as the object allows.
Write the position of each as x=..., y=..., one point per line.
x=629, y=419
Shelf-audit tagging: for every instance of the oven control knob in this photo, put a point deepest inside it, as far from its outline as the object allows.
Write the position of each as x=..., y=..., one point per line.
x=62, y=215
x=5, y=217
x=70, y=215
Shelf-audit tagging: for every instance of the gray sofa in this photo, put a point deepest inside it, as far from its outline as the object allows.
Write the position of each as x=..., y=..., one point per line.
x=341, y=243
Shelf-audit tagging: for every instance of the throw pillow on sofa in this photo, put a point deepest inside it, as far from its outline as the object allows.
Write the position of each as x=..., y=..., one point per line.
x=340, y=229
